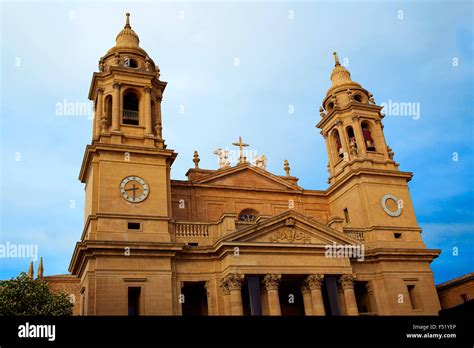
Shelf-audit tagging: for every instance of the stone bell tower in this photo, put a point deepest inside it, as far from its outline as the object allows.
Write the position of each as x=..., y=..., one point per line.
x=126, y=171
x=369, y=194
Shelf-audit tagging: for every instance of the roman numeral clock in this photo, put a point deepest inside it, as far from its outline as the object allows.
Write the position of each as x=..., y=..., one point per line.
x=134, y=189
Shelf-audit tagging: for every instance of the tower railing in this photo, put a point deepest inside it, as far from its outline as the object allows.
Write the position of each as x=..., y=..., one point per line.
x=130, y=115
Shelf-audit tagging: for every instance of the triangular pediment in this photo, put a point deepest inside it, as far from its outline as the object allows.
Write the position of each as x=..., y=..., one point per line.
x=248, y=176
x=289, y=228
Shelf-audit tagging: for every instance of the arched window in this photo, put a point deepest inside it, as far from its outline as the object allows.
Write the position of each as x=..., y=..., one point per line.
x=352, y=138
x=336, y=140
x=130, y=63
x=358, y=98
x=130, y=108
x=248, y=215
x=108, y=109
x=369, y=141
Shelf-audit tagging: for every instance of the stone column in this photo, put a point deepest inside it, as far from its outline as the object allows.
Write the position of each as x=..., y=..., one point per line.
x=315, y=282
x=380, y=143
x=98, y=112
x=308, y=303
x=359, y=136
x=343, y=137
x=226, y=295
x=329, y=149
x=234, y=283
x=271, y=282
x=157, y=125
x=347, y=282
x=370, y=291
x=342, y=300
x=148, y=125
x=116, y=107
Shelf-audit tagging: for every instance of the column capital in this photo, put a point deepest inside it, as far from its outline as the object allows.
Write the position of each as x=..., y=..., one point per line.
x=272, y=281
x=305, y=288
x=315, y=281
x=338, y=123
x=233, y=281
x=347, y=281
x=116, y=85
x=147, y=89
x=100, y=90
x=224, y=287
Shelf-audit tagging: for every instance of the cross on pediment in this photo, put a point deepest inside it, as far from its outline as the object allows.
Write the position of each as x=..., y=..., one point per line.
x=241, y=145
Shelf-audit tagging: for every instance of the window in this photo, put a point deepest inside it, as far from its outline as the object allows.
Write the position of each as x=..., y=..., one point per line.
x=134, y=301
x=108, y=109
x=369, y=141
x=397, y=235
x=358, y=98
x=193, y=244
x=352, y=139
x=131, y=63
x=337, y=144
x=413, y=297
x=130, y=108
x=464, y=298
x=346, y=215
x=134, y=225
x=248, y=215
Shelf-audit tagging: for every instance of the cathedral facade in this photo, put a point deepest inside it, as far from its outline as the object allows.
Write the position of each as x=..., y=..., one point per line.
x=239, y=240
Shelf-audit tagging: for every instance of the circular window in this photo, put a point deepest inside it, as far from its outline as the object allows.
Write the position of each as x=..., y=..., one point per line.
x=248, y=216
x=392, y=205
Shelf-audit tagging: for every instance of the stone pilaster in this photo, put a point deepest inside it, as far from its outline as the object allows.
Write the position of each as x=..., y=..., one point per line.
x=347, y=282
x=226, y=295
x=234, y=283
x=308, y=303
x=272, y=282
x=116, y=107
x=315, y=282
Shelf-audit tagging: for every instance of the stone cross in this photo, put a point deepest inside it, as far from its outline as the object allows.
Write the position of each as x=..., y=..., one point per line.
x=241, y=146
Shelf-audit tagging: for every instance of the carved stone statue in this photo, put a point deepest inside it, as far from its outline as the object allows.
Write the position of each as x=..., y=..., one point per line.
x=147, y=63
x=101, y=64
x=321, y=111
x=223, y=156
x=261, y=162
x=117, y=59
x=371, y=99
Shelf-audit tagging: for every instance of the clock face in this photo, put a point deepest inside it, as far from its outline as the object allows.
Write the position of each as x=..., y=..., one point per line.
x=392, y=205
x=134, y=189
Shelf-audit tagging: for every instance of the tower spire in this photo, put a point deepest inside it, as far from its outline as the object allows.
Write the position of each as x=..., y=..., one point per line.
x=31, y=272
x=336, y=59
x=127, y=21
x=40, y=268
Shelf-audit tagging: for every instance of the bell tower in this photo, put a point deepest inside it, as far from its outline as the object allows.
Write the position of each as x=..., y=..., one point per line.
x=126, y=168
x=369, y=195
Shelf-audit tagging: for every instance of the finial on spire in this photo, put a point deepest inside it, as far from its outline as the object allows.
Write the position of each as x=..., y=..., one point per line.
x=40, y=268
x=286, y=167
x=336, y=59
x=31, y=272
x=196, y=159
x=127, y=21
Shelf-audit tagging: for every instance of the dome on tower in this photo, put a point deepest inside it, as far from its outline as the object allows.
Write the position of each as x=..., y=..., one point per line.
x=340, y=76
x=127, y=37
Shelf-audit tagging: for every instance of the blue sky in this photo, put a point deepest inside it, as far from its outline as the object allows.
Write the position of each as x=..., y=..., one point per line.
x=404, y=52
